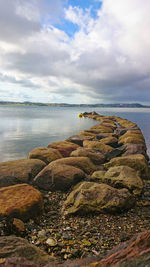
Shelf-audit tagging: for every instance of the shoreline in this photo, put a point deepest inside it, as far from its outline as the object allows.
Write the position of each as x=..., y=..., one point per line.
x=93, y=234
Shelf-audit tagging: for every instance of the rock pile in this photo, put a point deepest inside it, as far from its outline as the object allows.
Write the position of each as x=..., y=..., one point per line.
x=100, y=170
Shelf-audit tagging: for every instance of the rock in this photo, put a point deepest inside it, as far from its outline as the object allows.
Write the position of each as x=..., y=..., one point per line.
x=58, y=177
x=103, y=128
x=130, y=149
x=23, y=169
x=135, y=252
x=64, y=147
x=94, y=155
x=45, y=154
x=15, y=226
x=125, y=123
x=12, y=246
x=87, y=133
x=111, y=141
x=8, y=180
x=51, y=242
x=20, y=201
x=83, y=163
x=121, y=177
x=137, y=162
x=97, y=145
x=115, y=153
x=100, y=136
x=78, y=139
x=93, y=197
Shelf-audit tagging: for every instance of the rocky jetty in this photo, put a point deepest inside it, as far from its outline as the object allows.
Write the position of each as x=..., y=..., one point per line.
x=70, y=203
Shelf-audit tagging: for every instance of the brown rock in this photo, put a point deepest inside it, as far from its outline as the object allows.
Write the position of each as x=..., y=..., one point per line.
x=98, y=145
x=23, y=169
x=12, y=246
x=121, y=177
x=111, y=141
x=125, y=123
x=45, y=154
x=64, y=147
x=94, y=155
x=137, y=162
x=83, y=163
x=15, y=226
x=103, y=128
x=58, y=177
x=17, y=262
x=131, y=149
x=20, y=201
x=93, y=197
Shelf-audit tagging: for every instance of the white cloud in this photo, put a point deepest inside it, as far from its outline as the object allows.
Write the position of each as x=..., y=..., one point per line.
x=106, y=59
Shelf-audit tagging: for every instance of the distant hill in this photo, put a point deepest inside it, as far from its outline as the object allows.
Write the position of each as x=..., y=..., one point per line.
x=118, y=105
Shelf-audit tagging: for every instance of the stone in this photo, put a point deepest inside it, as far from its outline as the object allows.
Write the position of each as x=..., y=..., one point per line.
x=83, y=163
x=103, y=128
x=130, y=149
x=114, y=153
x=65, y=148
x=125, y=123
x=121, y=177
x=97, y=145
x=51, y=242
x=87, y=133
x=93, y=197
x=22, y=169
x=136, y=161
x=8, y=180
x=16, y=226
x=58, y=177
x=12, y=246
x=94, y=155
x=20, y=201
x=78, y=139
x=17, y=262
x=45, y=154
x=111, y=141
x=135, y=252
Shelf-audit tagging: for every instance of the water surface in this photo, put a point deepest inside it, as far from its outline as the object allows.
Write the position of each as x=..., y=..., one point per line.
x=23, y=128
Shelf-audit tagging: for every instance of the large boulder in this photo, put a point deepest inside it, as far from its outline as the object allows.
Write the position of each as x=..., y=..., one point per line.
x=94, y=155
x=58, y=177
x=137, y=162
x=132, y=253
x=45, y=154
x=83, y=163
x=120, y=177
x=64, y=147
x=23, y=169
x=130, y=149
x=78, y=139
x=110, y=140
x=93, y=197
x=97, y=145
x=20, y=201
x=125, y=123
x=12, y=246
x=103, y=128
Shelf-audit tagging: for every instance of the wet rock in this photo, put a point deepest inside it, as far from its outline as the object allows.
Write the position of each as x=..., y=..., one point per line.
x=137, y=162
x=93, y=197
x=78, y=139
x=83, y=163
x=121, y=177
x=64, y=147
x=58, y=177
x=94, y=155
x=23, y=169
x=98, y=145
x=11, y=246
x=45, y=154
x=20, y=201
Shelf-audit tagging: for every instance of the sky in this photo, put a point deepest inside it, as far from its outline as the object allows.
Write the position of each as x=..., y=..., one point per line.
x=75, y=51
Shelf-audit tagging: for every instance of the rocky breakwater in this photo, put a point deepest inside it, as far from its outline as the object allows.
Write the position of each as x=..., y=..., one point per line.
x=76, y=198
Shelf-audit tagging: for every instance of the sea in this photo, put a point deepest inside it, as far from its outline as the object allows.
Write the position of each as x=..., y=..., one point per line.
x=22, y=128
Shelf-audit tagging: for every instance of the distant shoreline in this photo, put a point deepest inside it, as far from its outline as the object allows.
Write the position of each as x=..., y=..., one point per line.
x=117, y=105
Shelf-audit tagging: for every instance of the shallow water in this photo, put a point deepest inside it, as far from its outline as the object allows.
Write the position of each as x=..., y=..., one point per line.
x=23, y=128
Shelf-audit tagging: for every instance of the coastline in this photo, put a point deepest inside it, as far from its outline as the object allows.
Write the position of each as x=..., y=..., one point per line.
x=79, y=236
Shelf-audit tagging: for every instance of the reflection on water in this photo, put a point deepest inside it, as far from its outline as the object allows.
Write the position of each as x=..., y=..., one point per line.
x=24, y=128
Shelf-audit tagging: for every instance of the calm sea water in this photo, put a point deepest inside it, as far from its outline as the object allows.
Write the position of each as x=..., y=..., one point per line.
x=23, y=128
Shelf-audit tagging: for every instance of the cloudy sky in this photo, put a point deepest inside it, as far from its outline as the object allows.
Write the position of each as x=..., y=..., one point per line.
x=75, y=51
